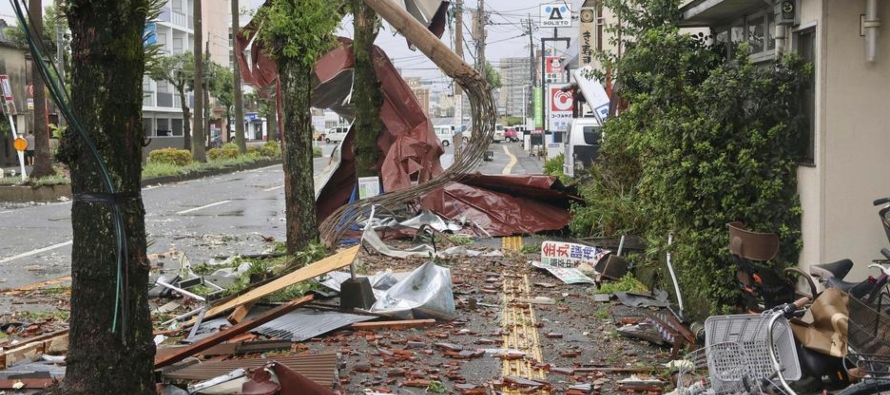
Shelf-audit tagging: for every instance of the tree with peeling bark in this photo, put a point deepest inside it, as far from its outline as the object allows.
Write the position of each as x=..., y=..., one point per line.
x=295, y=34
x=110, y=340
x=367, y=96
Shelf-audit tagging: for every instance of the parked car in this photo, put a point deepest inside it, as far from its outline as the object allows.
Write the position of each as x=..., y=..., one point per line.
x=335, y=135
x=511, y=135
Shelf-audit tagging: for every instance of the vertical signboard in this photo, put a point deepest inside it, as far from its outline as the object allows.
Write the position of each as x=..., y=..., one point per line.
x=586, y=32
x=6, y=90
x=539, y=116
x=458, y=113
x=561, y=105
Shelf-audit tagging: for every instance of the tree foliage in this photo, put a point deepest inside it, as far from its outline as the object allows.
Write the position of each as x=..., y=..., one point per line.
x=295, y=34
x=179, y=71
x=703, y=142
x=492, y=76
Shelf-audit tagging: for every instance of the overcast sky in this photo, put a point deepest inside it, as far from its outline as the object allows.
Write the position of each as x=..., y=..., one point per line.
x=505, y=35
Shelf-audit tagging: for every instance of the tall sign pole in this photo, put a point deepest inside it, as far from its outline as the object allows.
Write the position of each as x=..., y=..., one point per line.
x=9, y=105
x=459, y=50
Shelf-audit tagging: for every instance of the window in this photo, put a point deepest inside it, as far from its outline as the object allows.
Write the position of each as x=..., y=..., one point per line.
x=177, y=127
x=805, y=41
x=758, y=29
x=163, y=129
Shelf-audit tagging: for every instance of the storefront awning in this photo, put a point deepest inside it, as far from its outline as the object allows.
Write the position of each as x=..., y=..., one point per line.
x=709, y=13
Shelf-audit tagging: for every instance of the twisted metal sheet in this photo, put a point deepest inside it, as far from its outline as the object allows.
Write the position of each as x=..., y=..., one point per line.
x=484, y=114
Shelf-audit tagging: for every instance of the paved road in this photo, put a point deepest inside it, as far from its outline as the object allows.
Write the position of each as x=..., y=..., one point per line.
x=215, y=216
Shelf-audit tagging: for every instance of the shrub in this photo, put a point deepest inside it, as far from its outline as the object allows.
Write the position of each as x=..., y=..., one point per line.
x=316, y=152
x=703, y=143
x=271, y=149
x=228, y=151
x=553, y=166
x=173, y=156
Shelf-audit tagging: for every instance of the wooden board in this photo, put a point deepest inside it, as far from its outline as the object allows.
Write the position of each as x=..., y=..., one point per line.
x=239, y=313
x=228, y=334
x=341, y=259
x=393, y=324
x=54, y=343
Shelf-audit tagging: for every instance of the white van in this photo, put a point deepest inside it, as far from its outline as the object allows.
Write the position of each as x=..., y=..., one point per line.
x=335, y=135
x=582, y=145
x=498, y=133
x=445, y=134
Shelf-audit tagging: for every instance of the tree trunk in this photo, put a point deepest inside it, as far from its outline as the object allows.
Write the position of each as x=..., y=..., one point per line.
x=367, y=96
x=108, y=65
x=198, y=153
x=43, y=162
x=299, y=188
x=239, y=102
x=186, y=118
x=272, y=119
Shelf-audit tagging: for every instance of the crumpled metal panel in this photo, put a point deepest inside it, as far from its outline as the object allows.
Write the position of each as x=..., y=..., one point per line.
x=320, y=368
x=500, y=214
x=305, y=324
x=297, y=326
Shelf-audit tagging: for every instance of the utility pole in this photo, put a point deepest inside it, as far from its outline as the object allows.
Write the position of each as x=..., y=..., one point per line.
x=198, y=153
x=531, y=68
x=480, y=37
x=459, y=50
x=205, y=79
x=236, y=70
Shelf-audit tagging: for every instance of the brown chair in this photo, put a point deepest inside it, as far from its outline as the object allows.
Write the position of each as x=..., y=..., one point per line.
x=760, y=283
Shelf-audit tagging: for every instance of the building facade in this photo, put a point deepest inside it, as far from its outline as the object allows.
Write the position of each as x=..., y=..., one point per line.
x=421, y=92
x=846, y=106
x=174, y=33
x=13, y=64
x=516, y=82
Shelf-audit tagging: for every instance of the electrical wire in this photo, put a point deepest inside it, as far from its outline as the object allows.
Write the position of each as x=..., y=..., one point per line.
x=60, y=97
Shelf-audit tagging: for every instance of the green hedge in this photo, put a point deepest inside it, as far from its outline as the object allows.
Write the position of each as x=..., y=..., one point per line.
x=173, y=156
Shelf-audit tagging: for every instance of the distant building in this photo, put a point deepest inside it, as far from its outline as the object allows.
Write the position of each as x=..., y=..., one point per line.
x=515, y=85
x=421, y=92
x=174, y=32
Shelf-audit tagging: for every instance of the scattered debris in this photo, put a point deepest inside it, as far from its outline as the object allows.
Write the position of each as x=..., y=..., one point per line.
x=566, y=275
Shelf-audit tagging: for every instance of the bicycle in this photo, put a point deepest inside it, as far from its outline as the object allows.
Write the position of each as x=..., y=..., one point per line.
x=737, y=345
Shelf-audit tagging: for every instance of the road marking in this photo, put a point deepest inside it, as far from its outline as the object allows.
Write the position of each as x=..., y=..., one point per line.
x=4, y=212
x=273, y=188
x=35, y=252
x=512, y=163
x=203, y=207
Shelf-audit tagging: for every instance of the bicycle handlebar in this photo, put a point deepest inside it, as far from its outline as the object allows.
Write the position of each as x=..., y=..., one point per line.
x=883, y=269
x=881, y=201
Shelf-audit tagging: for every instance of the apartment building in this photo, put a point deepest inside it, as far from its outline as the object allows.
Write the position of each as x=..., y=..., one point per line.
x=515, y=85
x=174, y=32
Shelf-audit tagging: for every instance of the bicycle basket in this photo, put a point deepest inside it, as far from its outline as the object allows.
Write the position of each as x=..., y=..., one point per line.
x=868, y=336
x=720, y=368
x=750, y=331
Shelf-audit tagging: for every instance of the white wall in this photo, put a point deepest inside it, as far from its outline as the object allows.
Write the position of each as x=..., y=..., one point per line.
x=852, y=139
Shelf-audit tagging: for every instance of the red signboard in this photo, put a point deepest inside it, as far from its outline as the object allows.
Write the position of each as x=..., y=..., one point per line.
x=560, y=101
x=5, y=88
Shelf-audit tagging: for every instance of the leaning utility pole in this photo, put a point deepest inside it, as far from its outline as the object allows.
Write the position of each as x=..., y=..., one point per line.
x=531, y=68
x=198, y=153
x=205, y=79
x=480, y=37
x=236, y=67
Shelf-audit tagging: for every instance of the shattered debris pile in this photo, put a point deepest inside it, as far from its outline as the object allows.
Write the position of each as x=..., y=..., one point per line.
x=478, y=320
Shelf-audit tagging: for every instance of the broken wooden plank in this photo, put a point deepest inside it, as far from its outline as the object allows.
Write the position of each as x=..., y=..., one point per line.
x=33, y=348
x=39, y=285
x=339, y=260
x=393, y=324
x=240, y=312
x=230, y=333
